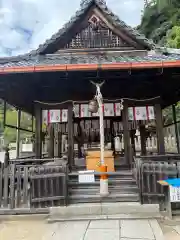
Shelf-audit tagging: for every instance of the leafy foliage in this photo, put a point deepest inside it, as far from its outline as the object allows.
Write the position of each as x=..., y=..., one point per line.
x=173, y=37
x=9, y=133
x=160, y=22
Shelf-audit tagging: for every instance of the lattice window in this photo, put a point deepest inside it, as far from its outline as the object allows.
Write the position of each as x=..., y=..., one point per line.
x=96, y=35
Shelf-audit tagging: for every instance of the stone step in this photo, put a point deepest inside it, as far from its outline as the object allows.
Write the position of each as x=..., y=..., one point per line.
x=114, y=210
x=96, y=198
x=122, y=175
x=116, y=173
x=110, y=185
x=132, y=216
x=110, y=182
x=95, y=189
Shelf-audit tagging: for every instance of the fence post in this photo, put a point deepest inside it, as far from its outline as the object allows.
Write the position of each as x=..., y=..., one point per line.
x=12, y=170
x=25, y=185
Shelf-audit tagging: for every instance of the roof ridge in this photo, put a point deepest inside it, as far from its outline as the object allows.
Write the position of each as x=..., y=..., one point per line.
x=84, y=2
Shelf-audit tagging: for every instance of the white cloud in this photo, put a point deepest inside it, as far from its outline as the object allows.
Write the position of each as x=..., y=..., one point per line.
x=24, y=24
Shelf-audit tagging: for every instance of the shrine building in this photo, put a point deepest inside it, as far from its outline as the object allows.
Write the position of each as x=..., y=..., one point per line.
x=54, y=83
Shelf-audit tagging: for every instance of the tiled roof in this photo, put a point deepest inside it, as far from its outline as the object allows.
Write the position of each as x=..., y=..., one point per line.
x=109, y=14
x=82, y=59
x=36, y=57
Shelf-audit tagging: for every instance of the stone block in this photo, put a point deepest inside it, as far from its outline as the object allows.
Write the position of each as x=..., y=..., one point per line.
x=128, y=208
x=76, y=210
x=102, y=234
x=104, y=224
x=71, y=230
x=138, y=229
x=156, y=229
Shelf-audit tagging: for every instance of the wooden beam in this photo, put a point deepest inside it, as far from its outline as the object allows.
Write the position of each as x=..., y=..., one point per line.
x=159, y=129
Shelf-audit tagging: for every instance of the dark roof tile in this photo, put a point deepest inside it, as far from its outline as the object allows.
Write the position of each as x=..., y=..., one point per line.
x=83, y=59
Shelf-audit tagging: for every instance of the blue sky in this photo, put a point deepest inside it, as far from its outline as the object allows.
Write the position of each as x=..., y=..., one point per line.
x=24, y=24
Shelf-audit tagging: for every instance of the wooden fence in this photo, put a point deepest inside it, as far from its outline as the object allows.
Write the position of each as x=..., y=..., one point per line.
x=32, y=186
x=148, y=170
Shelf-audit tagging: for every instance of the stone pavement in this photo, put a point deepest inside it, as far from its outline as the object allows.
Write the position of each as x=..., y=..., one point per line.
x=106, y=229
x=171, y=232
x=83, y=230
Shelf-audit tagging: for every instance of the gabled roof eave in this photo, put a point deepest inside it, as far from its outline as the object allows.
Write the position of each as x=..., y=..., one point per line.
x=148, y=44
x=85, y=7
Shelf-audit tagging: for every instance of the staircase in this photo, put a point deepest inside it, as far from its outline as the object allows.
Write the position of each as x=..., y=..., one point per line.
x=122, y=188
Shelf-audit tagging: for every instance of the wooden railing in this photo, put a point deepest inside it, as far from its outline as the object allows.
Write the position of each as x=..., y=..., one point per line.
x=32, y=186
x=150, y=169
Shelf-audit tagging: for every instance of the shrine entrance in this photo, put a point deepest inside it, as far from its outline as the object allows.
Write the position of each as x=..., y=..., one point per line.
x=128, y=127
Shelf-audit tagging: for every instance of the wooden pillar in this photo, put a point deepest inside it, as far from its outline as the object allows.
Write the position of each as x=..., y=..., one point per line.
x=126, y=134
x=57, y=137
x=51, y=141
x=59, y=144
x=159, y=129
x=143, y=139
x=18, y=134
x=38, y=135
x=80, y=140
x=56, y=143
x=176, y=127
x=112, y=135
x=4, y=115
x=70, y=136
x=132, y=134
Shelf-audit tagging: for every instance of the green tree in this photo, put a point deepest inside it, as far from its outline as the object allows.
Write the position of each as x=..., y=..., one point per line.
x=158, y=18
x=173, y=37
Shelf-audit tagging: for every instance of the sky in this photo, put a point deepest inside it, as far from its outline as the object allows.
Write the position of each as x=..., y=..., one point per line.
x=24, y=24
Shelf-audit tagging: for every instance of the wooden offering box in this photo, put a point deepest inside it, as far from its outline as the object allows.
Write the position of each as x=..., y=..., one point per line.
x=93, y=160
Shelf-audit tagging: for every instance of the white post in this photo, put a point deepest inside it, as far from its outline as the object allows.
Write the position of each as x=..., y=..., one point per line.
x=103, y=182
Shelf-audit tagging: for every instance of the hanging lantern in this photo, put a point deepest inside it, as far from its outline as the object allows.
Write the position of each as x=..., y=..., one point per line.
x=93, y=106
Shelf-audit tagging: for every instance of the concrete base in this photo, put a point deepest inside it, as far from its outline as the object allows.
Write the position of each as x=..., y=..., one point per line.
x=104, y=188
x=105, y=210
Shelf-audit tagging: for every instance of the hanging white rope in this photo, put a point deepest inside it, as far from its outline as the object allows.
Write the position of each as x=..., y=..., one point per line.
x=99, y=99
x=105, y=99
